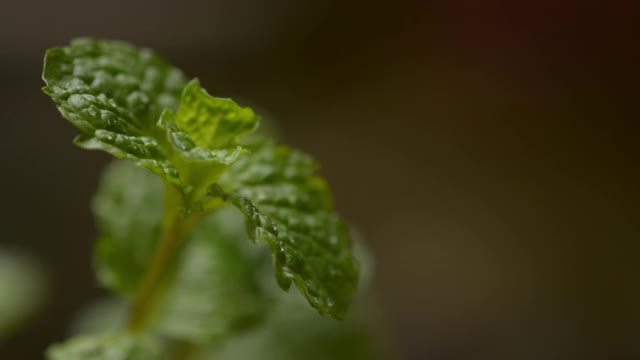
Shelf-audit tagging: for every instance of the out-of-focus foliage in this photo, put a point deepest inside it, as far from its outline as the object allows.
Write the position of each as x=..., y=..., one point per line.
x=109, y=346
x=128, y=211
x=22, y=290
x=223, y=287
x=214, y=288
x=101, y=316
x=215, y=292
x=292, y=331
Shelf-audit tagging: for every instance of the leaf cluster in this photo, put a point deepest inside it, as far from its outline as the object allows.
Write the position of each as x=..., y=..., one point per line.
x=169, y=237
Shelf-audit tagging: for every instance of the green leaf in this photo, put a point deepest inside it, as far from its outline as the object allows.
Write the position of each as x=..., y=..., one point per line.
x=109, y=346
x=293, y=331
x=128, y=211
x=289, y=207
x=213, y=291
x=114, y=93
x=213, y=123
x=123, y=101
x=189, y=151
x=103, y=315
x=207, y=129
x=205, y=133
x=23, y=285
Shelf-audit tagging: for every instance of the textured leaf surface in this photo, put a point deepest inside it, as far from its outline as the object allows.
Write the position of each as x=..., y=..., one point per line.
x=288, y=206
x=205, y=128
x=123, y=100
x=111, y=346
x=114, y=93
x=214, y=289
x=213, y=122
x=182, y=144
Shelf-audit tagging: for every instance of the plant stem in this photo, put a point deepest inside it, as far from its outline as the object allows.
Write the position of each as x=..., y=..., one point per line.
x=174, y=229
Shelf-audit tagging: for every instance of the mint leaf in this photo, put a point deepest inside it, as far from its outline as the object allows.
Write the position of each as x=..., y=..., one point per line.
x=182, y=144
x=289, y=207
x=213, y=123
x=215, y=291
x=293, y=331
x=213, y=288
x=109, y=346
x=114, y=93
x=207, y=129
x=204, y=134
x=128, y=212
x=123, y=101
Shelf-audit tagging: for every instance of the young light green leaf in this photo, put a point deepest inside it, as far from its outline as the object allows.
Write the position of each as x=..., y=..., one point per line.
x=213, y=288
x=114, y=93
x=190, y=152
x=289, y=207
x=108, y=346
x=214, y=123
x=207, y=129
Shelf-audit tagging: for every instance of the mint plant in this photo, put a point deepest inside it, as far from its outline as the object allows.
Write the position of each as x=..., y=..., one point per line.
x=168, y=240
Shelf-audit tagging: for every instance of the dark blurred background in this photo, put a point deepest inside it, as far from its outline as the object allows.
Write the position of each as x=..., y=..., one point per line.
x=487, y=150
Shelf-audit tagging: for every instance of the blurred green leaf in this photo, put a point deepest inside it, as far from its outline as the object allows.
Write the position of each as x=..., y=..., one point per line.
x=101, y=316
x=23, y=288
x=221, y=284
x=293, y=331
x=213, y=287
x=128, y=210
x=215, y=291
x=108, y=346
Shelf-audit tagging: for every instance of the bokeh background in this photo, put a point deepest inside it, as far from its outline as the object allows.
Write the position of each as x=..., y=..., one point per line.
x=487, y=151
